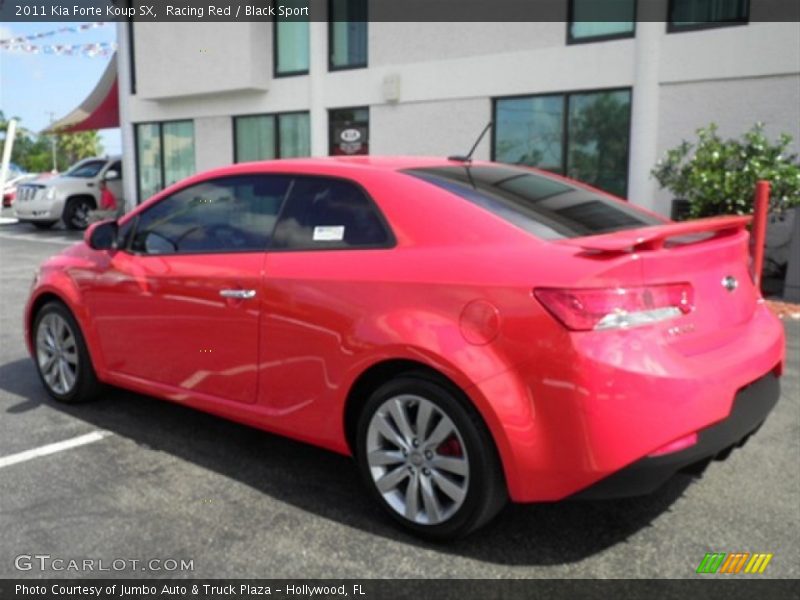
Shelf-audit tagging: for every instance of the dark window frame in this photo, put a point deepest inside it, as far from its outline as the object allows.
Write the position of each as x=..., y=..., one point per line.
x=161, y=152
x=572, y=40
x=391, y=239
x=331, y=66
x=131, y=56
x=330, y=125
x=275, y=72
x=672, y=28
x=136, y=162
x=276, y=120
x=135, y=220
x=565, y=125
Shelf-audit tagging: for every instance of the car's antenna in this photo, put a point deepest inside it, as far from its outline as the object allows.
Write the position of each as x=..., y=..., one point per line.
x=468, y=157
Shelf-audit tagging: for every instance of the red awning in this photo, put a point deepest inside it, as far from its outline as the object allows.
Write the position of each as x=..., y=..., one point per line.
x=100, y=110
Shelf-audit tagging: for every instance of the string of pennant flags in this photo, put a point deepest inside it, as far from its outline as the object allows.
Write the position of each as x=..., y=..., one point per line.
x=22, y=44
x=92, y=50
x=21, y=40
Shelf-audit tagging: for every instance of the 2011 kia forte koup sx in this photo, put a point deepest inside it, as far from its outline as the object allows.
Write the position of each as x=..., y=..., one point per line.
x=468, y=331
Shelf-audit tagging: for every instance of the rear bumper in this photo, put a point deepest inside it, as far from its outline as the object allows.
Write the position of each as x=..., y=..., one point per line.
x=751, y=406
x=591, y=406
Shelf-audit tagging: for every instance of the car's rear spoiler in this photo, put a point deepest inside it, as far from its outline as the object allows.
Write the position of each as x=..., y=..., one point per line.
x=654, y=237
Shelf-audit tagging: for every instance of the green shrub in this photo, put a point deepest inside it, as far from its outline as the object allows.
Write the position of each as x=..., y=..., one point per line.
x=718, y=176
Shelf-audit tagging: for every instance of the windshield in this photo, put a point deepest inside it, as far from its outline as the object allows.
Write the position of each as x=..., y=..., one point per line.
x=544, y=206
x=89, y=168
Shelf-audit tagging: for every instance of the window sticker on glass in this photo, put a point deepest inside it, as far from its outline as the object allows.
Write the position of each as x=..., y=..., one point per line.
x=328, y=233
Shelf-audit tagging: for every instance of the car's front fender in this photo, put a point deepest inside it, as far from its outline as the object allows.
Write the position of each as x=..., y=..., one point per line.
x=57, y=284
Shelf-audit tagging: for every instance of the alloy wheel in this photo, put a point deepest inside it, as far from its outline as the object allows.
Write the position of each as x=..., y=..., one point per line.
x=80, y=215
x=417, y=459
x=57, y=353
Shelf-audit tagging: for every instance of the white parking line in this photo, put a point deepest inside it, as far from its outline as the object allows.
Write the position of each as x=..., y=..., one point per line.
x=81, y=440
x=33, y=238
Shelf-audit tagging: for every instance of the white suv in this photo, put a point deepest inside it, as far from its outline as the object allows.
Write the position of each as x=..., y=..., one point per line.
x=70, y=196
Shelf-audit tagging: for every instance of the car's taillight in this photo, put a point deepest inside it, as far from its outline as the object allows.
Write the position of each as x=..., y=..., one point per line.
x=614, y=308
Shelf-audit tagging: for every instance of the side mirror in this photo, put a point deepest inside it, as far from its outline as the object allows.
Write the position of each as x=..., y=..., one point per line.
x=102, y=235
x=111, y=174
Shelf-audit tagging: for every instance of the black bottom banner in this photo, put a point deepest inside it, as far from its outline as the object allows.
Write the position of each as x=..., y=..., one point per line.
x=458, y=589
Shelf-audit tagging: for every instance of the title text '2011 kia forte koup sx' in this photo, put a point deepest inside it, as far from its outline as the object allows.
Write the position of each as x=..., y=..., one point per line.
x=469, y=331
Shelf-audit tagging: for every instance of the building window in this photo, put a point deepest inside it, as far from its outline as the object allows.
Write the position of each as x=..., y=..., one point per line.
x=290, y=43
x=254, y=138
x=349, y=131
x=592, y=21
x=265, y=137
x=294, y=135
x=690, y=15
x=582, y=135
x=164, y=155
x=347, y=34
x=178, y=154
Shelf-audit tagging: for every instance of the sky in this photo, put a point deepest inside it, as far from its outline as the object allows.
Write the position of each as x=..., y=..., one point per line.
x=33, y=85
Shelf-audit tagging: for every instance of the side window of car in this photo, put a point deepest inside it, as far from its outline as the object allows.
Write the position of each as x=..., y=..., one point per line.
x=232, y=214
x=323, y=213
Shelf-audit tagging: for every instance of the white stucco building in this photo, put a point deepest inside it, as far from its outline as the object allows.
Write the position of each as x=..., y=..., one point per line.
x=599, y=101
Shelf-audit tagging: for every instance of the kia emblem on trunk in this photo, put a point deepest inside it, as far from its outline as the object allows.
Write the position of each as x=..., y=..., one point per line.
x=730, y=283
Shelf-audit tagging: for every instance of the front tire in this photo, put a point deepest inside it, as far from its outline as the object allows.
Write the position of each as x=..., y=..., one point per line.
x=428, y=459
x=76, y=213
x=61, y=356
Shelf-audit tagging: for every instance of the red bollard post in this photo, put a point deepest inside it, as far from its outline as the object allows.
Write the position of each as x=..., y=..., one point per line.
x=758, y=234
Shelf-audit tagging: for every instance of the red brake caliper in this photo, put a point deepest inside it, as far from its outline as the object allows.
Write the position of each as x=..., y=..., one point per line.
x=450, y=447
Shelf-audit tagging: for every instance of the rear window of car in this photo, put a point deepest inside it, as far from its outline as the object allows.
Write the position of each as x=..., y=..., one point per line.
x=544, y=206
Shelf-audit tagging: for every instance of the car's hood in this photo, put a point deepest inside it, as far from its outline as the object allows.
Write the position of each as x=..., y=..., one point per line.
x=55, y=181
x=59, y=180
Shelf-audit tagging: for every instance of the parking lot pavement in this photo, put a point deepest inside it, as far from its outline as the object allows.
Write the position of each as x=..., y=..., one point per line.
x=14, y=231
x=157, y=480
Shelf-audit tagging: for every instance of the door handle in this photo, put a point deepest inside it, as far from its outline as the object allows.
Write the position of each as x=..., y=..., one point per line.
x=239, y=294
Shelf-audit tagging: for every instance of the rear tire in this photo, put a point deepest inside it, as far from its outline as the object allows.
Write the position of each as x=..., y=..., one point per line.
x=76, y=212
x=427, y=457
x=61, y=356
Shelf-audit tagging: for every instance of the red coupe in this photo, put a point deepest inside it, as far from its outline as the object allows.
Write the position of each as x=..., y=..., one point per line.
x=468, y=331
